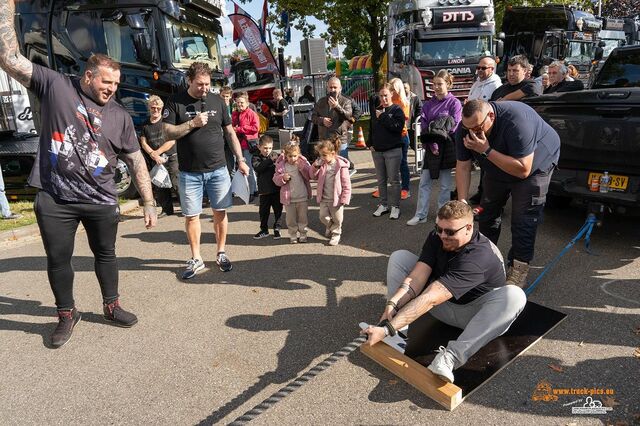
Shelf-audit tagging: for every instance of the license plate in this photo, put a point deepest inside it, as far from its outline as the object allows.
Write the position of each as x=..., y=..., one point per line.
x=618, y=183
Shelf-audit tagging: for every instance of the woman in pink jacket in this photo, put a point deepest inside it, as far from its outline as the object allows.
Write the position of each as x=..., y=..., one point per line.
x=334, y=187
x=246, y=124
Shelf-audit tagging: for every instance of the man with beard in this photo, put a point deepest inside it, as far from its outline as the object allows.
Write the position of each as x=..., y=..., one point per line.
x=459, y=279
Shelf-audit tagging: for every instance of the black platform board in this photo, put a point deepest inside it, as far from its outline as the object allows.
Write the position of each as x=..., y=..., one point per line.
x=427, y=334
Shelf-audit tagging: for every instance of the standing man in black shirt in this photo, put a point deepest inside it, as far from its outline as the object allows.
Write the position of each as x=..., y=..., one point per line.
x=459, y=279
x=280, y=109
x=197, y=119
x=517, y=86
x=518, y=152
x=83, y=132
x=160, y=151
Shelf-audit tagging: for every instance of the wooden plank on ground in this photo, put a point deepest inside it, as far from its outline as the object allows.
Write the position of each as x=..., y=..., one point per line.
x=446, y=394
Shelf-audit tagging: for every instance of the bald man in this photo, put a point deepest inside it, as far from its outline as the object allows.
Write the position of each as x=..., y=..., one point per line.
x=487, y=80
x=518, y=151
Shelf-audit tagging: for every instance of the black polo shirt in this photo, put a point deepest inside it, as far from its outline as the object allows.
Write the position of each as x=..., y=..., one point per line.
x=467, y=273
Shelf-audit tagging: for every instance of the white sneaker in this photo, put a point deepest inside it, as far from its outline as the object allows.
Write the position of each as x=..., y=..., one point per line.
x=334, y=240
x=381, y=210
x=442, y=365
x=517, y=274
x=395, y=213
x=416, y=220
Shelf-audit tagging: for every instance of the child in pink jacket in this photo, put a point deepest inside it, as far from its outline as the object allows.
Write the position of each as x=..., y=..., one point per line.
x=292, y=175
x=334, y=187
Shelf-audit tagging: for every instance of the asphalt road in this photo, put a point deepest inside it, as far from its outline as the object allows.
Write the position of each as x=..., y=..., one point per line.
x=209, y=350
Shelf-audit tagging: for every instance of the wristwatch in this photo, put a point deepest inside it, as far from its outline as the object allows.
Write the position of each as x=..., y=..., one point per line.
x=486, y=153
x=242, y=160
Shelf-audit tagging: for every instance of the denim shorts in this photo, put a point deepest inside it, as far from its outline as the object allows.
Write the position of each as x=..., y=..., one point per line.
x=193, y=185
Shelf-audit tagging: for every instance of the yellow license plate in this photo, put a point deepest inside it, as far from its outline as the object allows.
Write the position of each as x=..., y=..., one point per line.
x=618, y=183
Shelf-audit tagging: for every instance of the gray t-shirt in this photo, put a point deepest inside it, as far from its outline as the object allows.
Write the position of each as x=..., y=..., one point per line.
x=297, y=185
x=79, y=141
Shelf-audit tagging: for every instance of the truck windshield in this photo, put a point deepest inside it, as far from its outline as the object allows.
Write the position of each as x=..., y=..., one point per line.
x=193, y=44
x=431, y=52
x=620, y=70
x=579, y=51
x=609, y=45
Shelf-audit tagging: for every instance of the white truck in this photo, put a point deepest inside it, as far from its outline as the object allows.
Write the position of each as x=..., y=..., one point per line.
x=425, y=36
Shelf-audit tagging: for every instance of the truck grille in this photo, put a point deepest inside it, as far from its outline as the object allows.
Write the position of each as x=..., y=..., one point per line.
x=461, y=85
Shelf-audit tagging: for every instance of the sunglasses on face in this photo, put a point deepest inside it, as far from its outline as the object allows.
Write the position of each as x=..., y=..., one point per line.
x=478, y=128
x=484, y=68
x=156, y=108
x=448, y=232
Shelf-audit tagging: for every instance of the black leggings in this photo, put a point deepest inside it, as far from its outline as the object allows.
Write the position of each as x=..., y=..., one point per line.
x=58, y=224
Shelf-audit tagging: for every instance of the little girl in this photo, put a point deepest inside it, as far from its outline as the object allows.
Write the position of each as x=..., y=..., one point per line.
x=292, y=175
x=334, y=187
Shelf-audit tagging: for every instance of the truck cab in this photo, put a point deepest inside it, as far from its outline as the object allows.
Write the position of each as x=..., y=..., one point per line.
x=545, y=34
x=425, y=36
x=154, y=40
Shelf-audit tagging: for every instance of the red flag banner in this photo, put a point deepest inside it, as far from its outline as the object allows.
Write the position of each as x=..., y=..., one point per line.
x=257, y=49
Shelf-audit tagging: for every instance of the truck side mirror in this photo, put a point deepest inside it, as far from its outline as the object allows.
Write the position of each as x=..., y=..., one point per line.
x=144, y=48
x=397, y=50
x=598, y=54
x=499, y=48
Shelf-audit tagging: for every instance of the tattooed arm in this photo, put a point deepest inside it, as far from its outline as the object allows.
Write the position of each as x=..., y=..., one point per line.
x=435, y=294
x=138, y=169
x=11, y=60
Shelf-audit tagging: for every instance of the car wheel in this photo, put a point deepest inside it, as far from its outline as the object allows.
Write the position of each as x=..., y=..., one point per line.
x=124, y=182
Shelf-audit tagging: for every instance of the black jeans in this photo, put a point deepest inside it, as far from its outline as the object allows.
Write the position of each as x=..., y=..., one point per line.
x=268, y=202
x=528, y=197
x=164, y=196
x=58, y=224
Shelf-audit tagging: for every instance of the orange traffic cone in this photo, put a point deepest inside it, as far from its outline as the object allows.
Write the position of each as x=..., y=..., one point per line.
x=360, y=144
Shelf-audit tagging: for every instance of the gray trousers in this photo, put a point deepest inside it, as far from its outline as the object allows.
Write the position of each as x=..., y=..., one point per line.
x=387, y=164
x=481, y=320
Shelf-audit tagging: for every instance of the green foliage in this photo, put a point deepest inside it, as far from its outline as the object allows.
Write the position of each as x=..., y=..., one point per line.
x=619, y=8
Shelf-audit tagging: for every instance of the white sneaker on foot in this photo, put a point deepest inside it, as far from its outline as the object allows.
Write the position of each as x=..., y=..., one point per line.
x=381, y=210
x=334, y=240
x=442, y=365
x=395, y=213
x=416, y=220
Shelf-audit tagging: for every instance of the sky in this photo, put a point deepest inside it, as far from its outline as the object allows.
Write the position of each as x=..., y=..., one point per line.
x=254, y=8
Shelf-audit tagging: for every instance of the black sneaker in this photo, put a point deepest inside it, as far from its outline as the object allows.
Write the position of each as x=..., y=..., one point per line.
x=113, y=312
x=276, y=234
x=193, y=266
x=67, y=320
x=223, y=262
x=260, y=235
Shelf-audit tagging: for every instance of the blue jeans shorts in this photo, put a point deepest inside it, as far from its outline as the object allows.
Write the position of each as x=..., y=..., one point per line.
x=193, y=185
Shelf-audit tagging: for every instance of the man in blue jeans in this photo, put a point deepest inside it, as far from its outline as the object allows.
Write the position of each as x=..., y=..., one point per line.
x=518, y=151
x=458, y=279
x=197, y=120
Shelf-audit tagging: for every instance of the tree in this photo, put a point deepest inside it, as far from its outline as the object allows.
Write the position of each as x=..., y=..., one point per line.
x=237, y=55
x=347, y=20
x=619, y=8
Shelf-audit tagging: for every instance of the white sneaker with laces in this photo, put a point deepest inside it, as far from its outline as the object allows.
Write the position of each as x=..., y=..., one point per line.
x=395, y=213
x=442, y=365
x=416, y=220
x=381, y=210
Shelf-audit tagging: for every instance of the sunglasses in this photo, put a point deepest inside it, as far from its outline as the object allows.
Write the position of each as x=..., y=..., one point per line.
x=156, y=108
x=478, y=128
x=484, y=68
x=448, y=232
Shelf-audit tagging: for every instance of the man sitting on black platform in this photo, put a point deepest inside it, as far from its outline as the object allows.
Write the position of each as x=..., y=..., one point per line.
x=459, y=278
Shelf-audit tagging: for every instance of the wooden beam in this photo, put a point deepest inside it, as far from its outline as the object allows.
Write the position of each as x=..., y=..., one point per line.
x=446, y=394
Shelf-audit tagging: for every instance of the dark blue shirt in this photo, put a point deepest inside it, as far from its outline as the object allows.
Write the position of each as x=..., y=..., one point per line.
x=517, y=132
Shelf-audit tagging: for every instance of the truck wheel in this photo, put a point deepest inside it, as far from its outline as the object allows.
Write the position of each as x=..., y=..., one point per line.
x=124, y=182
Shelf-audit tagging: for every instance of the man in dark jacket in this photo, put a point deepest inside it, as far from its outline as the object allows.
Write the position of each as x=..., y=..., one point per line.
x=332, y=114
x=557, y=79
